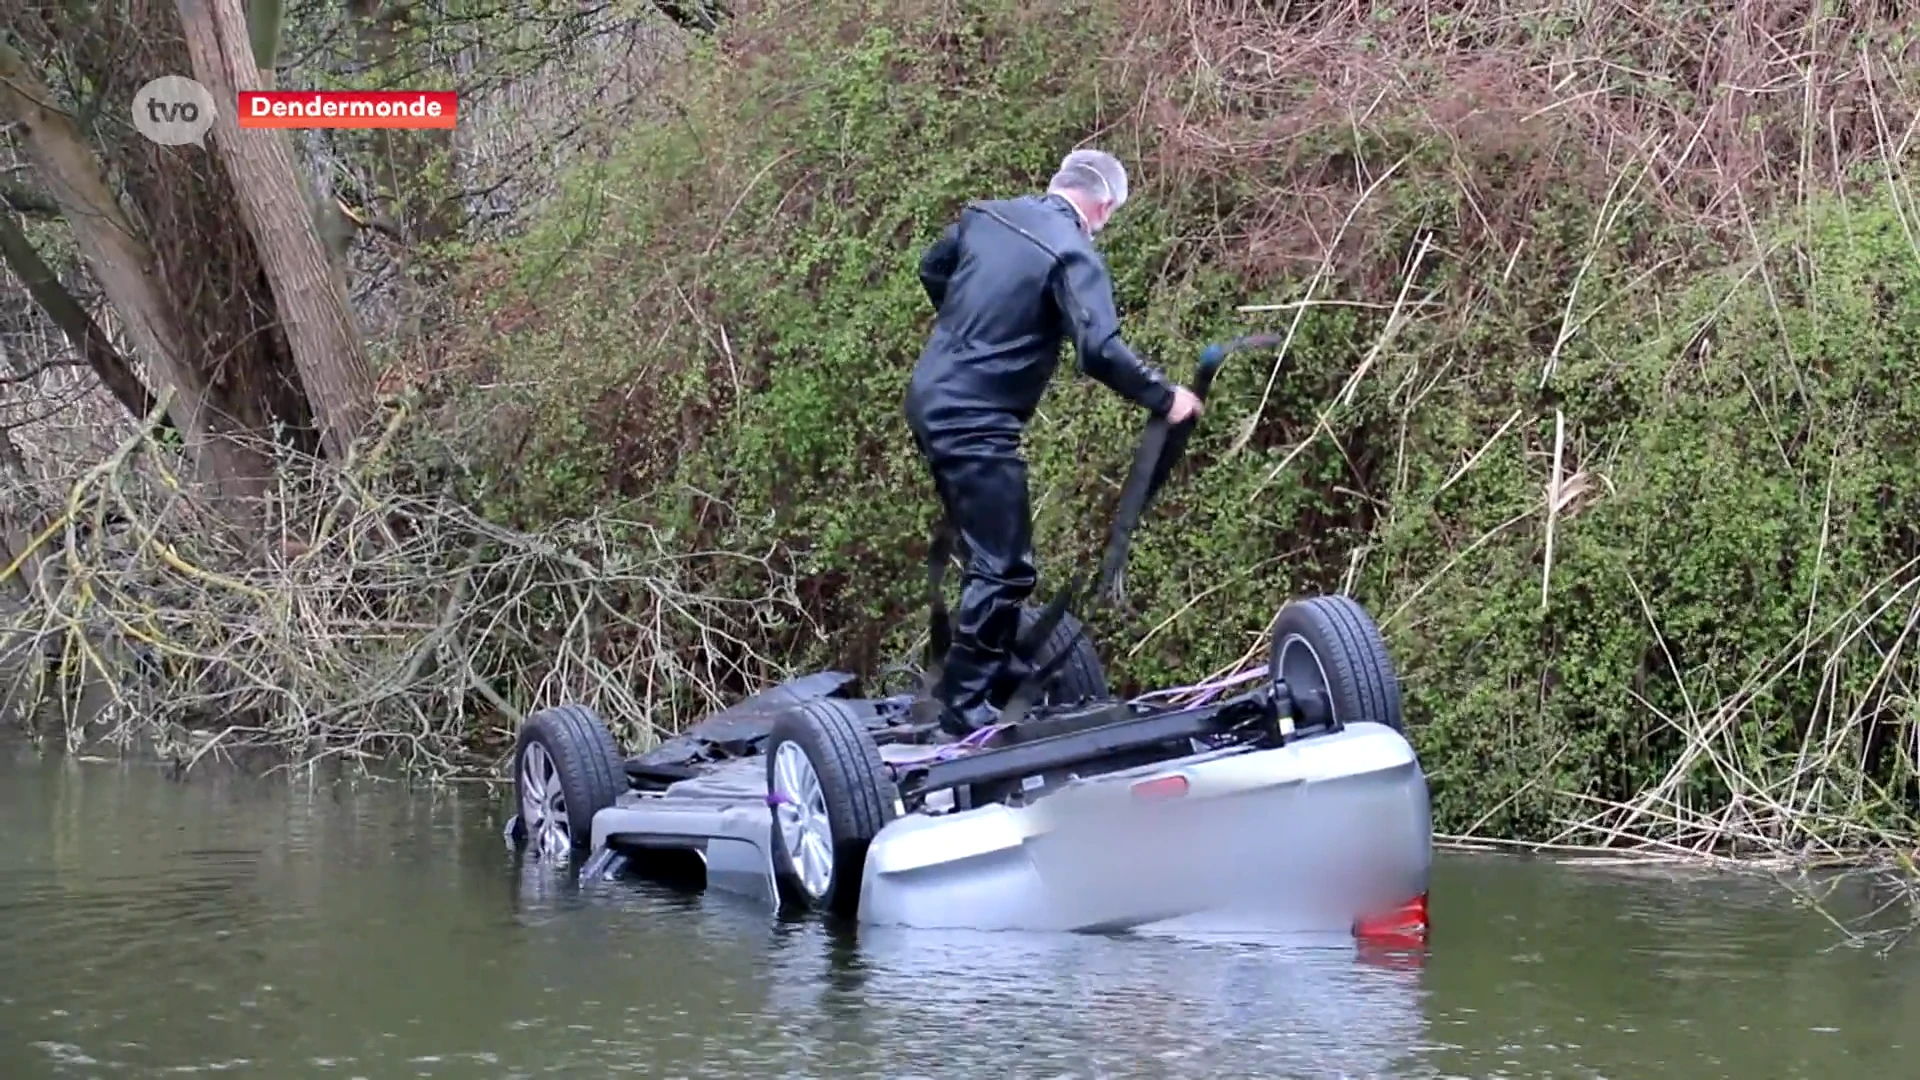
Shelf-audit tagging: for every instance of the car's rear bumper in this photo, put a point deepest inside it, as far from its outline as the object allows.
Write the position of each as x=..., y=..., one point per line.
x=1309, y=836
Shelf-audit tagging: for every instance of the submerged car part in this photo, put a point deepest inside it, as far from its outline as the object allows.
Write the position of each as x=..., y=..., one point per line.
x=1300, y=796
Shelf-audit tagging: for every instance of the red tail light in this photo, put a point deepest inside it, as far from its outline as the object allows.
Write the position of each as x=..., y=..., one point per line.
x=1405, y=925
x=1162, y=787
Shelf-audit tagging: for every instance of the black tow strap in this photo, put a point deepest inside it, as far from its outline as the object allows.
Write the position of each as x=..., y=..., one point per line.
x=1134, y=496
x=1152, y=463
x=926, y=706
x=1160, y=449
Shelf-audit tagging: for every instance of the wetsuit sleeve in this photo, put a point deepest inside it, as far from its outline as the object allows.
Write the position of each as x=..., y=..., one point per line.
x=937, y=265
x=1084, y=292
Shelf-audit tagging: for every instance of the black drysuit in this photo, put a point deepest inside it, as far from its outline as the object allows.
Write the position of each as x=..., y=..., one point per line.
x=1009, y=280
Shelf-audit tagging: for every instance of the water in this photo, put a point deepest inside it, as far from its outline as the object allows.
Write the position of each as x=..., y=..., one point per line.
x=253, y=928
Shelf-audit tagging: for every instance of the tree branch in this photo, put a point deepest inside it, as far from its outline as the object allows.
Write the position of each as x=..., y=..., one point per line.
x=73, y=320
x=22, y=199
x=699, y=16
x=28, y=374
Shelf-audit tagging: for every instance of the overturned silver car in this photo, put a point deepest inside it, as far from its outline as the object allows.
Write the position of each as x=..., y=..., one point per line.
x=1288, y=790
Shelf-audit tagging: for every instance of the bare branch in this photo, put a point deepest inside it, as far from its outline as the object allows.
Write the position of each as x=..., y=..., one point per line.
x=86, y=336
x=22, y=199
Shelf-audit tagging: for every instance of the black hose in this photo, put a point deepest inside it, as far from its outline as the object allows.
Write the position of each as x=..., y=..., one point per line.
x=1161, y=447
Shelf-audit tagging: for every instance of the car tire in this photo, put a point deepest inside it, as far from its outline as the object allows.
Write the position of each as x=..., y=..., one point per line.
x=1083, y=677
x=1351, y=657
x=827, y=789
x=566, y=769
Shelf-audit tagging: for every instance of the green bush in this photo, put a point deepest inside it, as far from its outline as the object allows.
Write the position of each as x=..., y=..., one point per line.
x=716, y=327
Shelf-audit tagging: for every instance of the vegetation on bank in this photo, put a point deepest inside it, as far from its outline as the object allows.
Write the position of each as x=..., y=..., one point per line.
x=1526, y=316
x=1595, y=392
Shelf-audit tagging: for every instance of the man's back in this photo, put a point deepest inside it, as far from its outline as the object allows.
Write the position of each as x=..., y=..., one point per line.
x=996, y=339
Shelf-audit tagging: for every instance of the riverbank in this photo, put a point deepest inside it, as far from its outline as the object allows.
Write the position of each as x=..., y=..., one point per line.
x=1585, y=393
x=1590, y=394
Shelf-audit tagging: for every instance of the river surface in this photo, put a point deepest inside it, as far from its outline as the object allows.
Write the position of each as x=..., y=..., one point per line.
x=269, y=928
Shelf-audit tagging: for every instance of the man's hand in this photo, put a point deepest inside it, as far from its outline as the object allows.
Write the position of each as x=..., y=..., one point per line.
x=1186, y=406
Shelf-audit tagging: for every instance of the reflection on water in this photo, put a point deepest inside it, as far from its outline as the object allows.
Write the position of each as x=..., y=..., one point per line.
x=1079, y=1006
x=267, y=929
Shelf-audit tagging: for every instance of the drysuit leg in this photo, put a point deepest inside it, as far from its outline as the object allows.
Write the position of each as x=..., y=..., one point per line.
x=985, y=494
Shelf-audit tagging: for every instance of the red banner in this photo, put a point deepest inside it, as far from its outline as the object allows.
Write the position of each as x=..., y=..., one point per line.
x=348, y=108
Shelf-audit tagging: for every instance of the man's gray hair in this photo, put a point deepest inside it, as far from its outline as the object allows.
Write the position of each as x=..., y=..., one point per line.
x=1094, y=173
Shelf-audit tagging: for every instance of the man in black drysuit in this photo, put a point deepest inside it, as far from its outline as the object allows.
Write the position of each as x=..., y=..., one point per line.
x=1009, y=281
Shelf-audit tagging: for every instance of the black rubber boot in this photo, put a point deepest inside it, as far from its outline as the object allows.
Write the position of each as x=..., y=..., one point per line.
x=986, y=502
x=963, y=723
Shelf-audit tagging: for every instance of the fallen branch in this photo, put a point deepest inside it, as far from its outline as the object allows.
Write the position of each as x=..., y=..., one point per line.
x=401, y=627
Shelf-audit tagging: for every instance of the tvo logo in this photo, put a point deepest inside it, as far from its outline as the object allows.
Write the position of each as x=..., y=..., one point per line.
x=174, y=110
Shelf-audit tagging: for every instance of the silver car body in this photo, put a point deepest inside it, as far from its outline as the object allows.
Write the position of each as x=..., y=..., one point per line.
x=1308, y=836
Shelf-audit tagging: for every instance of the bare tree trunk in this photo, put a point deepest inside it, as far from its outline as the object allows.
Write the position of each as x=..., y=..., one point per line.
x=413, y=169
x=307, y=287
x=86, y=336
x=121, y=262
x=264, y=19
x=205, y=257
